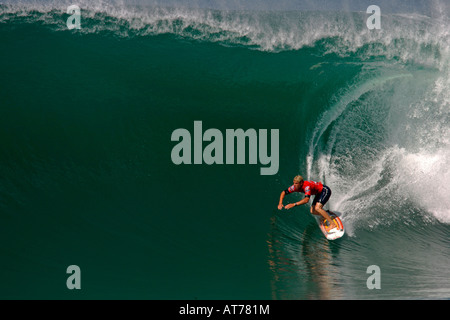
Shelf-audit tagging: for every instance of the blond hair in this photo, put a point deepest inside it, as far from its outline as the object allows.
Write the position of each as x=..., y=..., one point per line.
x=298, y=179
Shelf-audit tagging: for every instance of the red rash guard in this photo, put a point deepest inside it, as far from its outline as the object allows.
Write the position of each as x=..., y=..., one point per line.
x=309, y=188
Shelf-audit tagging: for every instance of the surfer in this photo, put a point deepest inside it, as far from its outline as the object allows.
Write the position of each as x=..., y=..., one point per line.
x=321, y=192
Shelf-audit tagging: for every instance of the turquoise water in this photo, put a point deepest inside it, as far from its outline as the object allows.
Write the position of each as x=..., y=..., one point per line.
x=86, y=118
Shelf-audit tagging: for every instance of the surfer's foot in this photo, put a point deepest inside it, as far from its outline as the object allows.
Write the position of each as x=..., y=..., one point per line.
x=331, y=226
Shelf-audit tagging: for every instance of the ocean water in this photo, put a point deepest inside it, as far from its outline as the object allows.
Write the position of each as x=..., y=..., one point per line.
x=87, y=179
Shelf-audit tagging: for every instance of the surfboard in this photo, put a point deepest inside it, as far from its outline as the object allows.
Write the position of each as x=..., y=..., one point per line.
x=334, y=233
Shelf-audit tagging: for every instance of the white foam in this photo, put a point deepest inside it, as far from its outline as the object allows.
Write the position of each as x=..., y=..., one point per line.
x=407, y=38
x=426, y=178
x=401, y=158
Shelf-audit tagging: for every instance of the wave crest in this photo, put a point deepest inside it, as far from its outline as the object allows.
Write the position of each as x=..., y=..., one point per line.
x=406, y=38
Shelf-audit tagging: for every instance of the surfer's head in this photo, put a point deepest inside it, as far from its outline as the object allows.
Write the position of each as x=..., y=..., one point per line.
x=298, y=182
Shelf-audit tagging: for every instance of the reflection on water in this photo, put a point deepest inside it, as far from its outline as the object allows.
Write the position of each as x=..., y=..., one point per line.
x=305, y=265
x=302, y=264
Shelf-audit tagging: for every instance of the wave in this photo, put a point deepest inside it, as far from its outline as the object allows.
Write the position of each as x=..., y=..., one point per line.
x=368, y=110
x=384, y=146
x=393, y=117
x=407, y=38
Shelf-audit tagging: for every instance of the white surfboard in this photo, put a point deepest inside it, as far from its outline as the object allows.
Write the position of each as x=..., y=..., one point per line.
x=334, y=233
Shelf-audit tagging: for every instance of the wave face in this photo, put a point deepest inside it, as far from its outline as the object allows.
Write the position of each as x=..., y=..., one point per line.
x=86, y=119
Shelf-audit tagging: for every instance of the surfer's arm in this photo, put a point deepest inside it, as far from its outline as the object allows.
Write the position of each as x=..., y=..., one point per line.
x=280, y=204
x=303, y=201
x=299, y=203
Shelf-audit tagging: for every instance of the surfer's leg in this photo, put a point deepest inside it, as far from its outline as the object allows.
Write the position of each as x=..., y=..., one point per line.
x=313, y=207
x=325, y=215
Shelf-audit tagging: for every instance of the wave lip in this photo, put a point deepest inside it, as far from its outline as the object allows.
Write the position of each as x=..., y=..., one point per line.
x=402, y=37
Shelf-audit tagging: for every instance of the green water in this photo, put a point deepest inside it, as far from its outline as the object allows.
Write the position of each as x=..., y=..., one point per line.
x=87, y=179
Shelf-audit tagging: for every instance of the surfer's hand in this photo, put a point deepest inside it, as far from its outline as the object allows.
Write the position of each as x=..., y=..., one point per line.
x=280, y=206
x=290, y=205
